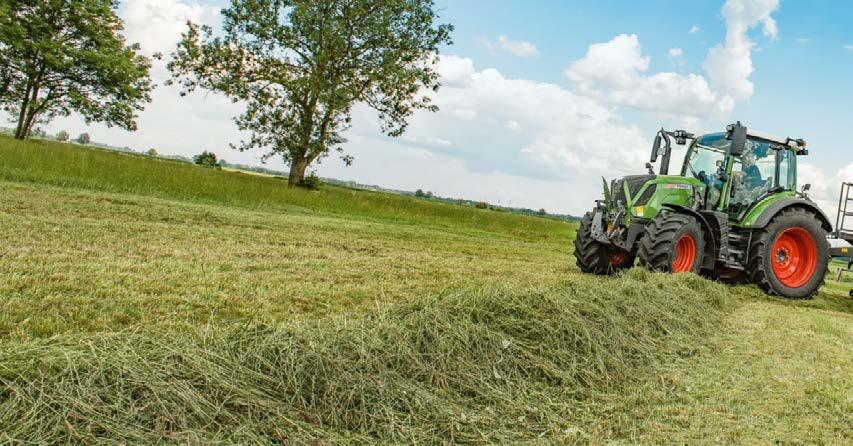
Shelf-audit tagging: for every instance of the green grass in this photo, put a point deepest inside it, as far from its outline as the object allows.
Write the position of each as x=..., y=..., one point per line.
x=78, y=261
x=67, y=165
x=148, y=301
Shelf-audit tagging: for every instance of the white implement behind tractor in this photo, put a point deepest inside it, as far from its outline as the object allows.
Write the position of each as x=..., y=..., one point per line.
x=841, y=240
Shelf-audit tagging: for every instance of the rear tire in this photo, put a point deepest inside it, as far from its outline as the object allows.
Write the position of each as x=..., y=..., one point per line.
x=789, y=257
x=672, y=243
x=595, y=257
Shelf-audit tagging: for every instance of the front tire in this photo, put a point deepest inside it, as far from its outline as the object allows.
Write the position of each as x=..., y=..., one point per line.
x=595, y=257
x=672, y=243
x=789, y=257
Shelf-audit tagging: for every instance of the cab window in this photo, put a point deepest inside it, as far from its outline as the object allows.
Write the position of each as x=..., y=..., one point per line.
x=787, y=178
x=760, y=169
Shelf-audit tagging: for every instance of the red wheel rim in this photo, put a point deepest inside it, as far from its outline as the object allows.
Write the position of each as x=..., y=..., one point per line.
x=685, y=254
x=794, y=257
x=617, y=258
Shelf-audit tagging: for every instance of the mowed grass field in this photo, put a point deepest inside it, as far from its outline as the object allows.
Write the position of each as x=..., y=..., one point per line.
x=150, y=301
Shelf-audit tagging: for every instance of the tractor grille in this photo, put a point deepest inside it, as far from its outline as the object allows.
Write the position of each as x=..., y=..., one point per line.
x=635, y=183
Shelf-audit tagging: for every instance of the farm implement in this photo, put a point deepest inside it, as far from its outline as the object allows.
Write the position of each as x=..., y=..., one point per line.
x=733, y=213
x=841, y=240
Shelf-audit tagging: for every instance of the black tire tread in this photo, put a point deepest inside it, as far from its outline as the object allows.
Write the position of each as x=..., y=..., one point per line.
x=592, y=256
x=656, y=245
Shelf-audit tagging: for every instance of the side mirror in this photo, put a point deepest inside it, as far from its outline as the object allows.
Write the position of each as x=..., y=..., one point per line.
x=655, y=149
x=737, y=134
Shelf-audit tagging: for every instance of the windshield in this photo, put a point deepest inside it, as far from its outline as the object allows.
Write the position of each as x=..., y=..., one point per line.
x=705, y=153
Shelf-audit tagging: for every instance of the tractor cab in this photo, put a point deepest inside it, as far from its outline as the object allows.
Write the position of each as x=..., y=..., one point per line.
x=733, y=212
x=765, y=166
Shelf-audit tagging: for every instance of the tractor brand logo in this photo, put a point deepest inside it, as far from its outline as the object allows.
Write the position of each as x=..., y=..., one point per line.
x=678, y=186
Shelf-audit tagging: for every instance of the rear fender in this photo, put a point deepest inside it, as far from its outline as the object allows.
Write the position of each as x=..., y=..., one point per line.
x=709, y=259
x=763, y=219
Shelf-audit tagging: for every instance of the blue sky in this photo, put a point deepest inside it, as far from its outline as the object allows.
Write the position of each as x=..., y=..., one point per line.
x=803, y=79
x=541, y=98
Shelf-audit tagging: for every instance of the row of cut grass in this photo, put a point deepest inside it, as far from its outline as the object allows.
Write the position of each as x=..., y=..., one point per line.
x=482, y=365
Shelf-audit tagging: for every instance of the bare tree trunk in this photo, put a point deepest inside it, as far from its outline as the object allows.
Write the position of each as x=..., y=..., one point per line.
x=33, y=110
x=298, y=165
x=22, y=115
x=28, y=126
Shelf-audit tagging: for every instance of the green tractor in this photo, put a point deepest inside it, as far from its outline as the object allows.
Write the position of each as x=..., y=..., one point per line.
x=733, y=213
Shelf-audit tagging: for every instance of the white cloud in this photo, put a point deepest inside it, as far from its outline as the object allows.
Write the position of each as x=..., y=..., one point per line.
x=824, y=186
x=402, y=166
x=564, y=135
x=465, y=114
x=455, y=71
x=614, y=72
x=803, y=40
x=157, y=24
x=849, y=47
x=518, y=48
x=729, y=65
x=694, y=29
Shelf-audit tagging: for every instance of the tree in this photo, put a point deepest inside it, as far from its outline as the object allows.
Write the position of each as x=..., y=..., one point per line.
x=84, y=138
x=206, y=159
x=420, y=193
x=59, y=56
x=301, y=66
x=542, y=211
x=151, y=152
x=62, y=136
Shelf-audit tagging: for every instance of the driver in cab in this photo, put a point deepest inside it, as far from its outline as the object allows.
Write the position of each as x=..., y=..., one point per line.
x=748, y=183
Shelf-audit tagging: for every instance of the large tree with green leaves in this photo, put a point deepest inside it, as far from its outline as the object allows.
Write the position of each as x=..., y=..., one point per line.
x=301, y=65
x=63, y=56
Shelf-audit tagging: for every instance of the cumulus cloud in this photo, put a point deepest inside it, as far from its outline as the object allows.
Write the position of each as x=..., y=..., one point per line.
x=615, y=72
x=518, y=48
x=694, y=29
x=455, y=71
x=564, y=133
x=729, y=65
x=157, y=24
x=824, y=187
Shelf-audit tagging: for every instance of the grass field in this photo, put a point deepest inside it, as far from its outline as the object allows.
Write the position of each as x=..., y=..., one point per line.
x=149, y=301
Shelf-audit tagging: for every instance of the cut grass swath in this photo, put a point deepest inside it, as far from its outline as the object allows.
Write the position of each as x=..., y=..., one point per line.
x=477, y=365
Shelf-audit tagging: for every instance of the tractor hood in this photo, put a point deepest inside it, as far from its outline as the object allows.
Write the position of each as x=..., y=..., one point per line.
x=634, y=183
